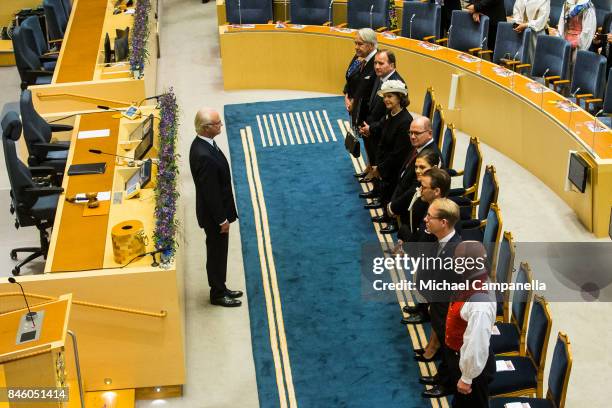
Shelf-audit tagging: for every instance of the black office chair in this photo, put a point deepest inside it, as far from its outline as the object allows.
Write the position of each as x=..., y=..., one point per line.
x=35, y=39
x=368, y=13
x=512, y=48
x=37, y=133
x=56, y=18
x=29, y=66
x=67, y=4
x=311, y=12
x=249, y=12
x=466, y=35
x=421, y=21
x=588, y=78
x=32, y=204
x=606, y=109
x=551, y=61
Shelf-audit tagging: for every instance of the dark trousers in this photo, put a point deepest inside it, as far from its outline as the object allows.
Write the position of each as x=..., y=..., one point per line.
x=479, y=397
x=216, y=261
x=438, y=312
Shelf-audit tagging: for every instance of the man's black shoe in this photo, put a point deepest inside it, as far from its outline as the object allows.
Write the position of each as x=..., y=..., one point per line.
x=365, y=180
x=373, y=205
x=438, y=391
x=428, y=380
x=380, y=218
x=414, y=309
x=416, y=318
x=369, y=194
x=419, y=351
x=360, y=175
x=225, y=301
x=234, y=294
x=389, y=229
x=422, y=358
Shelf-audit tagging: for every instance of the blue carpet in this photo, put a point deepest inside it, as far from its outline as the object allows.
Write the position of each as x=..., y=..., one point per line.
x=344, y=351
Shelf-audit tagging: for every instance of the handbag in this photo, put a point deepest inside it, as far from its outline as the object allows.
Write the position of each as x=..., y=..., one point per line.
x=352, y=145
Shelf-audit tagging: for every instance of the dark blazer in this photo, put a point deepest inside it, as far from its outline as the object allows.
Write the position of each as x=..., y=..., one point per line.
x=439, y=274
x=394, y=145
x=496, y=12
x=361, y=106
x=352, y=79
x=212, y=178
x=406, y=184
x=377, y=107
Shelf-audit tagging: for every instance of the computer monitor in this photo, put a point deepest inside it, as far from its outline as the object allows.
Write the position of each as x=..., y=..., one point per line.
x=578, y=172
x=142, y=129
x=107, y=50
x=145, y=144
x=141, y=176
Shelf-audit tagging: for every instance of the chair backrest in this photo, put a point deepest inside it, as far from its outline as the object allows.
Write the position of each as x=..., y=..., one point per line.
x=19, y=175
x=35, y=128
x=511, y=45
x=448, y=146
x=310, y=12
x=607, y=104
x=420, y=20
x=26, y=57
x=368, y=13
x=538, y=333
x=249, y=12
x=34, y=35
x=465, y=33
x=67, y=4
x=56, y=19
x=602, y=7
x=521, y=304
x=509, y=8
x=492, y=234
x=471, y=170
x=555, y=12
x=589, y=73
x=429, y=102
x=560, y=369
x=488, y=192
x=437, y=125
x=505, y=269
x=552, y=54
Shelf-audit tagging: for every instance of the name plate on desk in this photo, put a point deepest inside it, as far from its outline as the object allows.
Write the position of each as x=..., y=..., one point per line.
x=88, y=134
x=429, y=46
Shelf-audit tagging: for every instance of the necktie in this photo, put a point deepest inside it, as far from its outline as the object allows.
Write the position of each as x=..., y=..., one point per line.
x=353, y=67
x=216, y=147
x=409, y=162
x=361, y=64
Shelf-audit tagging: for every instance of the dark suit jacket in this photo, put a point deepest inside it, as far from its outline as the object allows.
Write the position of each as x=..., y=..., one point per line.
x=352, y=80
x=361, y=106
x=406, y=185
x=212, y=178
x=377, y=107
x=394, y=145
x=496, y=12
x=440, y=274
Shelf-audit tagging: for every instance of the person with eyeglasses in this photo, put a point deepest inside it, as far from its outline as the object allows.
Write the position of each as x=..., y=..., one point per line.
x=215, y=206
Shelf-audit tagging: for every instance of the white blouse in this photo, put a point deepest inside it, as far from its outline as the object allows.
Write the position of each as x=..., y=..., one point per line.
x=533, y=12
x=475, y=349
x=589, y=23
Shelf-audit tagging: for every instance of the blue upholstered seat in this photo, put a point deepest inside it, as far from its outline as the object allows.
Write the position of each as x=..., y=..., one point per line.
x=552, y=56
x=512, y=45
x=523, y=377
x=249, y=12
x=488, y=195
x=311, y=12
x=368, y=13
x=448, y=148
x=589, y=76
x=421, y=20
x=428, y=103
x=503, y=273
x=508, y=341
x=465, y=33
x=56, y=18
x=471, y=172
x=437, y=125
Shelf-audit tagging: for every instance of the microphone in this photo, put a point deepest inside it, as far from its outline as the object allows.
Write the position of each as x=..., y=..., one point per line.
x=152, y=253
x=131, y=159
x=597, y=121
x=371, y=11
x=573, y=95
x=545, y=72
x=30, y=313
x=151, y=97
x=482, y=43
x=239, y=14
x=516, y=55
x=411, y=18
x=84, y=113
x=449, y=31
x=331, y=23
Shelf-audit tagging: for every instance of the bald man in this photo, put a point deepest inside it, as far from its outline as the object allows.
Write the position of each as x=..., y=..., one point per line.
x=215, y=207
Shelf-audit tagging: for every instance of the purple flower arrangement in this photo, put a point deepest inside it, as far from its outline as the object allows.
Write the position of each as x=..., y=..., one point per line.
x=166, y=193
x=140, y=35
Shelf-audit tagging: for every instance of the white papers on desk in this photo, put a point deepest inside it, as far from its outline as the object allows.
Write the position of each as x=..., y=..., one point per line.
x=517, y=405
x=389, y=36
x=566, y=106
x=342, y=30
x=495, y=331
x=102, y=196
x=467, y=58
x=504, y=365
x=297, y=26
x=429, y=46
x=280, y=24
x=503, y=72
x=88, y=134
x=242, y=26
x=597, y=127
x=130, y=11
x=537, y=88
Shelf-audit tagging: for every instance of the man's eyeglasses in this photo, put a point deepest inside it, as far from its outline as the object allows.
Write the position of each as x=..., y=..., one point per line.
x=219, y=123
x=413, y=133
x=428, y=216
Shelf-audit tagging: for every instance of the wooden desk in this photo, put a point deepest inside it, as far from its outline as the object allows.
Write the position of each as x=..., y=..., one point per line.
x=503, y=112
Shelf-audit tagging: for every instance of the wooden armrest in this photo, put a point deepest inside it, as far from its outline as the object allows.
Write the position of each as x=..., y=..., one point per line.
x=459, y=173
x=429, y=37
x=270, y=22
x=50, y=54
x=474, y=203
x=582, y=96
x=483, y=223
x=511, y=62
x=521, y=66
x=327, y=23
x=553, y=78
x=396, y=31
x=56, y=41
x=485, y=52
x=442, y=40
x=342, y=25
x=381, y=29
x=469, y=190
x=474, y=50
x=590, y=102
x=561, y=82
x=596, y=100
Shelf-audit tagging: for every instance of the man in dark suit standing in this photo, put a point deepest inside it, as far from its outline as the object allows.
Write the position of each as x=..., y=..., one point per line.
x=215, y=207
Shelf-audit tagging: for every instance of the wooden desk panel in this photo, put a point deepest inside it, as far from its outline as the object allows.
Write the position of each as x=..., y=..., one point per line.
x=82, y=42
x=80, y=241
